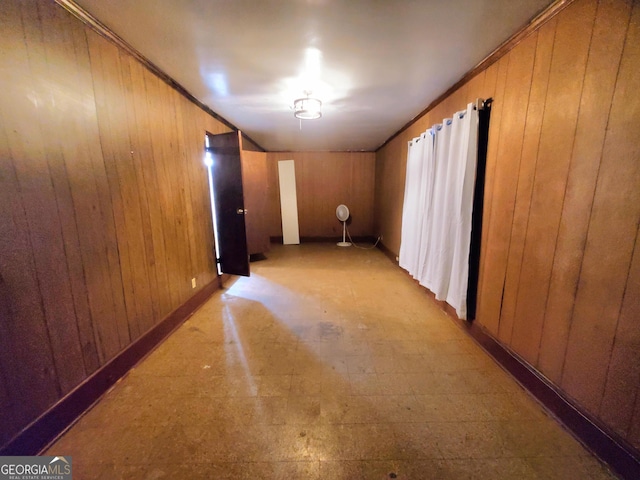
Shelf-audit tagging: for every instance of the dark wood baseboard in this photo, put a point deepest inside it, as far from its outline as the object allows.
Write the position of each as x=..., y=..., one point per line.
x=620, y=456
x=46, y=428
x=606, y=445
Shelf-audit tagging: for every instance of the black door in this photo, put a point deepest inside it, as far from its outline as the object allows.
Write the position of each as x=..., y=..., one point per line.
x=229, y=202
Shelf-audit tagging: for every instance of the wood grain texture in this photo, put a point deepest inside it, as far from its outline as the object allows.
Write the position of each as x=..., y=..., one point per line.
x=104, y=206
x=146, y=123
x=139, y=150
x=489, y=298
x=203, y=266
x=530, y=143
x=189, y=153
x=390, y=170
x=167, y=152
x=600, y=76
x=89, y=138
x=116, y=150
x=623, y=372
x=5, y=398
x=611, y=237
x=323, y=181
x=256, y=200
x=633, y=435
x=568, y=64
x=19, y=352
x=505, y=179
x=42, y=213
x=181, y=201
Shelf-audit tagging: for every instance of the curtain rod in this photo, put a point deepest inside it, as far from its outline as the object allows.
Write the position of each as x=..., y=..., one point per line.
x=481, y=104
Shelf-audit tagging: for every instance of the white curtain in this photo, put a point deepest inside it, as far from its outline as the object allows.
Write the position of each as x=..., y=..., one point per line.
x=417, y=190
x=438, y=204
x=408, y=248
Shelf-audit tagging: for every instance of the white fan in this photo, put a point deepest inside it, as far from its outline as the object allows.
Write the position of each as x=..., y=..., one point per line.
x=342, y=212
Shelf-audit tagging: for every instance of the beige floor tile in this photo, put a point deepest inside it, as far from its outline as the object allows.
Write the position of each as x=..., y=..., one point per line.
x=481, y=468
x=306, y=385
x=471, y=440
x=394, y=384
x=364, y=384
x=303, y=410
x=325, y=363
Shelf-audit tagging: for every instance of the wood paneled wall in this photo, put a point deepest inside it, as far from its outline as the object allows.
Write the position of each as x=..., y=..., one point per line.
x=104, y=205
x=560, y=262
x=324, y=180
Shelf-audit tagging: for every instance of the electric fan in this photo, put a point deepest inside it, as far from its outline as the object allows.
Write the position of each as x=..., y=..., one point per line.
x=342, y=212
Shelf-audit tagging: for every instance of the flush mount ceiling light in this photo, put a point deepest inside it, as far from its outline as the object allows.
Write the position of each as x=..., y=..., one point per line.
x=307, y=108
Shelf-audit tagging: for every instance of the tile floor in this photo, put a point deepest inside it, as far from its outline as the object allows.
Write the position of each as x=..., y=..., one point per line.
x=326, y=363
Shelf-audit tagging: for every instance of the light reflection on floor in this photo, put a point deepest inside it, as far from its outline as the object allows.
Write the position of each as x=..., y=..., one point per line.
x=325, y=363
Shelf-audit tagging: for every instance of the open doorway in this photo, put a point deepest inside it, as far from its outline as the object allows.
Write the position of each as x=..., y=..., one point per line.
x=208, y=161
x=222, y=157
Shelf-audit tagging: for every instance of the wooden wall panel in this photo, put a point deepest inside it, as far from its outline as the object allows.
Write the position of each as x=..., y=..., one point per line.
x=104, y=205
x=324, y=180
x=390, y=170
x=17, y=270
x=256, y=199
x=633, y=435
x=181, y=201
x=202, y=258
x=526, y=175
x=44, y=222
x=597, y=92
x=168, y=154
x=559, y=260
x=568, y=64
x=116, y=147
x=196, y=199
x=6, y=404
x=488, y=296
x=623, y=375
x=88, y=140
x=361, y=195
x=611, y=237
x=184, y=125
x=158, y=105
x=131, y=72
x=10, y=202
x=21, y=296
x=146, y=123
x=109, y=106
x=505, y=180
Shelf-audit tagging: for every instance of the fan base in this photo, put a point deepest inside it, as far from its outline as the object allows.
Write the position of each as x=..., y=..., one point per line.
x=344, y=244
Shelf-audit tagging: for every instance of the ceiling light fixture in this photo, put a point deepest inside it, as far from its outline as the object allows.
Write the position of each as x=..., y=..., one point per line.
x=307, y=108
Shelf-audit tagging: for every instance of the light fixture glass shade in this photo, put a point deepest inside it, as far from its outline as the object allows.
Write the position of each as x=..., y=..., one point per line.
x=307, y=108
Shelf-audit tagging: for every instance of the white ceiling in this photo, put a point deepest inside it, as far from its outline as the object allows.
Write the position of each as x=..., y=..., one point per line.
x=375, y=64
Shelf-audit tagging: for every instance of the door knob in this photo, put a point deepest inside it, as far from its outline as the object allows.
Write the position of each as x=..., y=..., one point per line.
x=241, y=211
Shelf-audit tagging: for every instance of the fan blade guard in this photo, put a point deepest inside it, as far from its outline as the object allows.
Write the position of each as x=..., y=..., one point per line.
x=342, y=212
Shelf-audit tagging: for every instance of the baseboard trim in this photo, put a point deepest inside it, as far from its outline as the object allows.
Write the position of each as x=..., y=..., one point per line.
x=606, y=445
x=46, y=428
x=620, y=456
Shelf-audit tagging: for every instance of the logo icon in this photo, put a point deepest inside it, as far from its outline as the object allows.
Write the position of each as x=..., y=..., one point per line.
x=36, y=468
